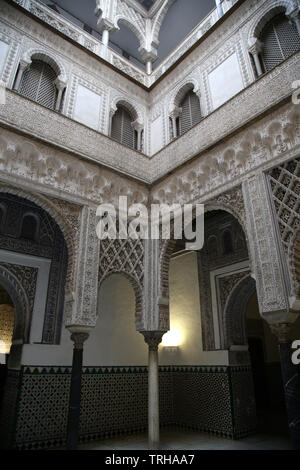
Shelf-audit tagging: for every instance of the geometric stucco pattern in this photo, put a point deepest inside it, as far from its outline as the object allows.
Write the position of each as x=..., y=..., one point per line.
x=285, y=186
x=126, y=257
x=264, y=250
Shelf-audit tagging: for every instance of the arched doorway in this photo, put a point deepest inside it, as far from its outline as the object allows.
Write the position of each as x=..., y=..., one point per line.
x=33, y=271
x=120, y=379
x=7, y=323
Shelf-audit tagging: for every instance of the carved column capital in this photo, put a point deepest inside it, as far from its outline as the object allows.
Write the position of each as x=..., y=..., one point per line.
x=24, y=63
x=137, y=126
x=78, y=339
x=255, y=46
x=79, y=334
x=60, y=83
x=153, y=338
x=281, y=331
x=175, y=112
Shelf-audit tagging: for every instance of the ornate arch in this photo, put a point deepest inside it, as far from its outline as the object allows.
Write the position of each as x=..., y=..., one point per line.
x=49, y=58
x=258, y=23
x=65, y=228
x=159, y=19
x=21, y=304
x=180, y=91
x=235, y=312
x=229, y=202
x=134, y=110
x=125, y=21
x=137, y=290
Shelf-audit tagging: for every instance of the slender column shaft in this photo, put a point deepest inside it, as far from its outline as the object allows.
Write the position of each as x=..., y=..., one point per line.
x=257, y=64
x=153, y=397
x=153, y=338
x=58, y=101
x=149, y=67
x=219, y=8
x=105, y=37
x=75, y=391
x=19, y=78
x=139, y=139
x=291, y=382
x=174, y=127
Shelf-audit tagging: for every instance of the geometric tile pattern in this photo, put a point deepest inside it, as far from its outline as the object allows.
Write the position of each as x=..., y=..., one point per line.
x=114, y=401
x=243, y=401
x=202, y=400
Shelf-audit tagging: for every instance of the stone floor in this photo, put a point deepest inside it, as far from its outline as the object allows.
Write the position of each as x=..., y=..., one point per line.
x=272, y=435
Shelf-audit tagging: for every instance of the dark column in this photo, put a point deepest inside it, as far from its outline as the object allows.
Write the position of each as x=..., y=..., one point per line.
x=291, y=381
x=75, y=390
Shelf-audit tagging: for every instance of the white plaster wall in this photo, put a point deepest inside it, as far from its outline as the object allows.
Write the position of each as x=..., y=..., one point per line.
x=87, y=107
x=157, y=140
x=3, y=54
x=225, y=81
x=113, y=342
x=185, y=316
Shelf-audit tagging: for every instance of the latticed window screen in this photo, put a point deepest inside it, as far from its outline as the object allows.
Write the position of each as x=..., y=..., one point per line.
x=121, y=128
x=280, y=40
x=38, y=84
x=191, y=112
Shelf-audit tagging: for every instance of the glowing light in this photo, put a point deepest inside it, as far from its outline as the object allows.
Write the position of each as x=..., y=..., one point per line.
x=172, y=338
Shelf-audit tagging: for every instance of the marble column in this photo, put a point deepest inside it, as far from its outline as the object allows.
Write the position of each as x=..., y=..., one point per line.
x=60, y=85
x=78, y=337
x=153, y=338
x=105, y=37
x=219, y=8
x=291, y=381
x=255, y=49
x=22, y=67
x=138, y=127
x=174, y=114
x=149, y=67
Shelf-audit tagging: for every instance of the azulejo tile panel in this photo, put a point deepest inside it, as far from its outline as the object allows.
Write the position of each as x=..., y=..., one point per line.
x=114, y=401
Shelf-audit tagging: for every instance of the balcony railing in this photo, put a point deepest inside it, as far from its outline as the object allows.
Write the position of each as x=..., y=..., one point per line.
x=93, y=44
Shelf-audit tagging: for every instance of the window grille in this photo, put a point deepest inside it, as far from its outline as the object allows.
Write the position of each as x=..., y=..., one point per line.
x=280, y=40
x=191, y=112
x=121, y=128
x=38, y=84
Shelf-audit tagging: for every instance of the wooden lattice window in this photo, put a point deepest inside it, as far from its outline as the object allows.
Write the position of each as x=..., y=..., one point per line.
x=191, y=112
x=38, y=84
x=280, y=40
x=121, y=128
